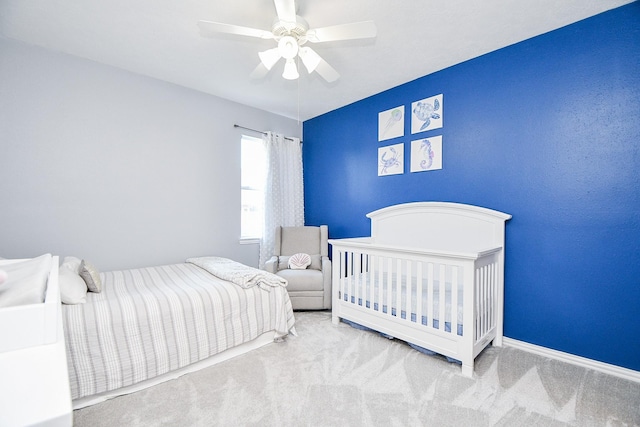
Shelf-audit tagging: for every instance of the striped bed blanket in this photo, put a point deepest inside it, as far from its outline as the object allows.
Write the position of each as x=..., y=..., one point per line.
x=150, y=321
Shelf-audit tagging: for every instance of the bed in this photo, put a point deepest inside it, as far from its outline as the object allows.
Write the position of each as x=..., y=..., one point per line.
x=431, y=274
x=152, y=324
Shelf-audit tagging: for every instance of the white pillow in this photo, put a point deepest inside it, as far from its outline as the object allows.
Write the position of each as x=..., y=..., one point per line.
x=299, y=261
x=73, y=290
x=72, y=263
x=26, y=281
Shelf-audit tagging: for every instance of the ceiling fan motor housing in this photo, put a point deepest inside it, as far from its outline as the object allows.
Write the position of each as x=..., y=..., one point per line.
x=297, y=30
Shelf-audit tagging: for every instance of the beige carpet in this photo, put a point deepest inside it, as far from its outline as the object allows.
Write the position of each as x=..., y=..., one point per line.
x=340, y=376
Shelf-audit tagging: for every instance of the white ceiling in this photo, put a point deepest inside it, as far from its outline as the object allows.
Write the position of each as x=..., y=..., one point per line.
x=160, y=38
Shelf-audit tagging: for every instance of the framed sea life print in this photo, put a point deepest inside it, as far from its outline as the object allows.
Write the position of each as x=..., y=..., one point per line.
x=391, y=160
x=426, y=154
x=391, y=123
x=426, y=114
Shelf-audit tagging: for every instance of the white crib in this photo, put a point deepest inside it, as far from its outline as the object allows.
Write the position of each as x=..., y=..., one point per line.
x=431, y=274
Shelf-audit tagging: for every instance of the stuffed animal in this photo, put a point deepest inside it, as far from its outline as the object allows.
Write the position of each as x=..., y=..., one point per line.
x=3, y=276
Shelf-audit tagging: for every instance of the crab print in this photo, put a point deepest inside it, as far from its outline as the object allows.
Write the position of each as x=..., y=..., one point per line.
x=387, y=163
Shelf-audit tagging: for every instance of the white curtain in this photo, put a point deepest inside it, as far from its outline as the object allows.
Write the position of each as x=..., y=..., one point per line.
x=284, y=193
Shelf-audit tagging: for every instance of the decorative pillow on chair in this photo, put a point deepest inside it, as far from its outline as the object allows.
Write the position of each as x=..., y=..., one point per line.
x=91, y=276
x=299, y=261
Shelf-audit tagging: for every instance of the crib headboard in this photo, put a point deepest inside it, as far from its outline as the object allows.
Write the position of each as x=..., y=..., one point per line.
x=438, y=225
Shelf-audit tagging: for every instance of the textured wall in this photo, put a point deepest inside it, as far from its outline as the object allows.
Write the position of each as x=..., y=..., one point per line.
x=546, y=130
x=118, y=168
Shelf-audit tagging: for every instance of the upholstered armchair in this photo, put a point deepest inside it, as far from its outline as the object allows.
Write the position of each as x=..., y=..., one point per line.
x=309, y=286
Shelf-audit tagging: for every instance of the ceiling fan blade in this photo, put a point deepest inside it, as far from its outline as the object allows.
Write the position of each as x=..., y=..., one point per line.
x=259, y=72
x=356, y=30
x=286, y=10
x=209, y=29
x=326, y=71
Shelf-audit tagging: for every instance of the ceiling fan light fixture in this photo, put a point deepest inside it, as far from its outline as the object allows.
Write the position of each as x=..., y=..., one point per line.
x=269, y=57
x=310, y=58
x=288, y=47
x=290, y=70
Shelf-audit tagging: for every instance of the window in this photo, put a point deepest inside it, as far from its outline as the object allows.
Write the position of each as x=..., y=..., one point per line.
x=253, y=167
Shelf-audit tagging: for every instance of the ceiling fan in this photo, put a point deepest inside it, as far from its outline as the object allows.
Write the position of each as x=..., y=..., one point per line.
x=291, y=32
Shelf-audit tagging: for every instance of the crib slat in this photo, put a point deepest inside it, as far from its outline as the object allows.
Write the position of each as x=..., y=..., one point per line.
x=388, y=285
x=419, y=293
x=369, y=272
x=357, y=269
x=490, y=298
x=341, y=280
x=356, y=278
x=485, y=312
x=494, y=291
x=494, y=280
x=488, y=323
x=429, y=298
x=454, y=300
x=485, y=289
x=380, y=283
x=397, y=287
x=409, y=289
x=476, y=331
x=490, y=281
x=345, y=275
x=481, y=296
x=350, y=275
x=442, y=293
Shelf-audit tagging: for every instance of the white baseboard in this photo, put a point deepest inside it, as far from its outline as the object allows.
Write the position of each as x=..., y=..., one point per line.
x=617, y=371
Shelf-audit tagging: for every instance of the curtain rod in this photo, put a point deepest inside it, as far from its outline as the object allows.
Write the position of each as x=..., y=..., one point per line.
x=259, y=131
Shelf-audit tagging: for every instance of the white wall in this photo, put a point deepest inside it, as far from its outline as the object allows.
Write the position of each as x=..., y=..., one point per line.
x=117, y=168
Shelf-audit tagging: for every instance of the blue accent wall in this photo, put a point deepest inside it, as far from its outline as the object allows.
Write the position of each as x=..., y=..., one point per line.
x=547, y=130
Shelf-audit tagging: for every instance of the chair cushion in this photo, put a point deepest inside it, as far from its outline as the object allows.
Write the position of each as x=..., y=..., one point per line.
x=303, y=280
x=300, y=239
